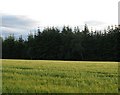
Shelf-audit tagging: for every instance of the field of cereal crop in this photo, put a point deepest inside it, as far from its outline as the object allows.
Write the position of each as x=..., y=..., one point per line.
x=47, y=76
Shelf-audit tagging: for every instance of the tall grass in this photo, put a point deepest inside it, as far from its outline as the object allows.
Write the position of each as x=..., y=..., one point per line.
x=42, y=76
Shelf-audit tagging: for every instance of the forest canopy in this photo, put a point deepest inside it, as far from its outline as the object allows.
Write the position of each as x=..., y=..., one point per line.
x=66, y=44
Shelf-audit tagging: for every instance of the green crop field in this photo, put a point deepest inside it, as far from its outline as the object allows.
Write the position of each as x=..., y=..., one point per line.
x=45, y=76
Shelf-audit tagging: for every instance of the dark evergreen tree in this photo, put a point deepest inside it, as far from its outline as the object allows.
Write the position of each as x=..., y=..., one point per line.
x=67, y=44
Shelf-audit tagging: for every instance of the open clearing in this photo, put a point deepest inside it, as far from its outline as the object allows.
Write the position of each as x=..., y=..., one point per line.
x=47, y=76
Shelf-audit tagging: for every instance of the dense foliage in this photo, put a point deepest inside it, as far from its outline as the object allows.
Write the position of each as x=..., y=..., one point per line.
x=65, y=44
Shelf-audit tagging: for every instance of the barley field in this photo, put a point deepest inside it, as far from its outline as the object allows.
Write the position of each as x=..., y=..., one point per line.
x=47, y=76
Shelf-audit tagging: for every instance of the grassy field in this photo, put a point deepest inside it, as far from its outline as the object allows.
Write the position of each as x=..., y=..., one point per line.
x=33, y=76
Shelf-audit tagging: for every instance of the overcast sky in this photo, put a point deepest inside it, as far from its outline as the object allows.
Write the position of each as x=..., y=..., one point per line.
x=21, y=16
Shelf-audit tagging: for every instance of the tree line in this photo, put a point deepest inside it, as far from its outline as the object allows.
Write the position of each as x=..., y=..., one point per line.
x=53, y=43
